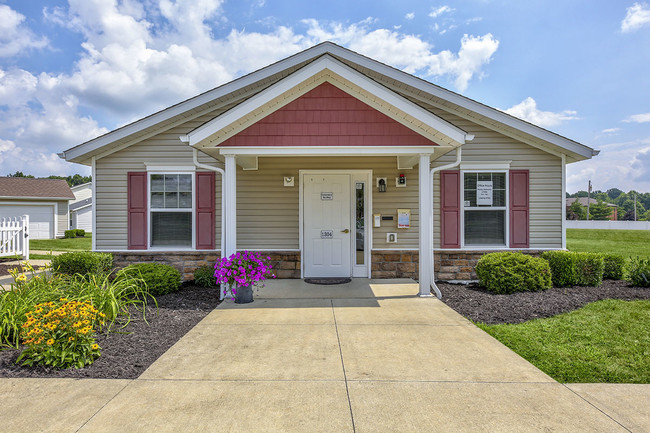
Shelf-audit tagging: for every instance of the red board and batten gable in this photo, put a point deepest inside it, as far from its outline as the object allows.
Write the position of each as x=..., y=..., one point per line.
x=327, y=116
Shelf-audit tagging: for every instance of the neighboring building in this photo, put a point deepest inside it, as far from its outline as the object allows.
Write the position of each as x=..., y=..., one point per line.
x=44, y=200
x=81, y=208
x=323, y=160
x=592, y=201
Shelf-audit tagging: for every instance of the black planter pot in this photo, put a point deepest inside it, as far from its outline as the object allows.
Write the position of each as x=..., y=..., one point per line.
x=244, y=295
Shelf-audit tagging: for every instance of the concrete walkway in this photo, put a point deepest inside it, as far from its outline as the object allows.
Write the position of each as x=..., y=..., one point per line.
x=363, y=357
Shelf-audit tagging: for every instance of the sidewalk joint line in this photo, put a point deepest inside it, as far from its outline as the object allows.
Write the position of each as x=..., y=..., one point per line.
x=104, y=405
x=596, y=407
x=345, y=376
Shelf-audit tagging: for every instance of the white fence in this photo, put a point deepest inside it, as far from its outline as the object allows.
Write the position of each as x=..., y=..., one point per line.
x=608, y=225
x=14, y=236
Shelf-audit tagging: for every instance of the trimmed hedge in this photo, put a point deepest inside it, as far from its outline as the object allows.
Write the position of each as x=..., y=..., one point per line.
x=82, y=262
x=638, y=272
x=575, y=269
x=159, y=278
x=204, y=277
x=614, y=266
x=510, y=272
x=74, y=233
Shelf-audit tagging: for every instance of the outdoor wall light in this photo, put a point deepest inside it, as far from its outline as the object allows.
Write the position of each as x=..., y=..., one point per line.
x=381, y=184
x=288, y=180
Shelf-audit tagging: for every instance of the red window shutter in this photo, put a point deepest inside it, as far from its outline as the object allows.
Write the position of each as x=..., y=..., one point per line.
x=450, y=209
x=137, y=210
x=205, y=230
x=519, y=209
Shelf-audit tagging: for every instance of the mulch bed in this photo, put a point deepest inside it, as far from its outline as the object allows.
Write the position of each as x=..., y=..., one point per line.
x=4, y=269
x=480, y=305
x=127, y=355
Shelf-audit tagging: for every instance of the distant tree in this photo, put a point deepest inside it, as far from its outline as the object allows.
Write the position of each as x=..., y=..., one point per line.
x=73, y=180
x=580, y=194
x=20, y=174
x=613, y=193
x=628, y=216
x=599, y=211
x=576, y=211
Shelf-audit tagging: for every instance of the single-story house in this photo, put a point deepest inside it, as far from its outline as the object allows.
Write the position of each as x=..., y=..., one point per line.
x=335, y=164
x=81, y=208
x=44, y=200
x=592, y=201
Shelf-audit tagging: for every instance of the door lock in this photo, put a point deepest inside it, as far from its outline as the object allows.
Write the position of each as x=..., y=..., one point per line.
x=345, y=231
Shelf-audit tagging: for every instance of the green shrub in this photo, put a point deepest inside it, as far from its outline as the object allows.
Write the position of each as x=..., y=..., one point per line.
x=614, y=266
x=589, y=269
x=204, y=277
x=82, y=262
x=638, y=272
x=159, y=279
x=510, y=272
x=80, y=233
x=70, y=234
x=575, y=269
x=562, y=266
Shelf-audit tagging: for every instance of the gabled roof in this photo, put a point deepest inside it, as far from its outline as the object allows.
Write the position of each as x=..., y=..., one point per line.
x=20, y=187
x=219, y=100
x=81, y=204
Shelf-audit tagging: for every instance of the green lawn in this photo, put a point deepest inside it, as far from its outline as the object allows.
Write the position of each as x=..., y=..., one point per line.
x=606, y=341
x=72, y=244
x=629, y=243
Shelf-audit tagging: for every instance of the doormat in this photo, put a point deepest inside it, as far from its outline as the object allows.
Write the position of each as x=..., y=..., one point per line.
x=327, y=281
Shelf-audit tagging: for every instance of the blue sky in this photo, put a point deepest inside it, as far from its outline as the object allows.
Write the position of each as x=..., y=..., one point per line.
x=71, y=70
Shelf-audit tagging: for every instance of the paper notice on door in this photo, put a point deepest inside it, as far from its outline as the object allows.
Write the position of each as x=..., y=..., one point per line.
x=327, y=196
x=484, y=193
x=403, y=218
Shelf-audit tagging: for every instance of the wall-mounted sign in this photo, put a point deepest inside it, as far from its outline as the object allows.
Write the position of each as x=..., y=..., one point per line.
x=327, y=196
x=403, y=218
x=327, y=234
x=484, y=192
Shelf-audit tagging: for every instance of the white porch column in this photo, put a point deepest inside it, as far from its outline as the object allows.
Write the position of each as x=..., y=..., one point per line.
x=230, y=210
x=426, y=246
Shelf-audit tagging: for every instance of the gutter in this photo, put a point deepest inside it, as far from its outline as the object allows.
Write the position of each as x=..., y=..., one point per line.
x=195, y=159
x=433, y=171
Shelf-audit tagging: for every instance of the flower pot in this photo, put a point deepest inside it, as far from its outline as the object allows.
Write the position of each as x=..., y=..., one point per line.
x=244, y=295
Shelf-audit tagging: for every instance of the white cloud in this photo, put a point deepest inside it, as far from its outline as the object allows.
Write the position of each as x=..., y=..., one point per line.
x=15, y=36
x=409, y=16
x=638, y=15
x=140, y=57
x=610, y=130
x=638, y=118
x=641, y=163
x=436, y=12
x=528, y=111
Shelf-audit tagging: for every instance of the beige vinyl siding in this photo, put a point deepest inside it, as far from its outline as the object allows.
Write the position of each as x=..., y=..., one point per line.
x=111, y=180
x=63, y=222
x=268, y=213
x=545, y=182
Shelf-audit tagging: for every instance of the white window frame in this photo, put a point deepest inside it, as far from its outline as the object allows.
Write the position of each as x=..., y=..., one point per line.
x=150, y=211
x=505, y=208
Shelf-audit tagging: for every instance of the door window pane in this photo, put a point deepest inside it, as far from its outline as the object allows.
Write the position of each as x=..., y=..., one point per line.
x=360, y=223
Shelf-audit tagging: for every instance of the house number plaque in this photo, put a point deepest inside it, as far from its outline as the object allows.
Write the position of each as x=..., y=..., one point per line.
x=327, y=234
x=326, y=195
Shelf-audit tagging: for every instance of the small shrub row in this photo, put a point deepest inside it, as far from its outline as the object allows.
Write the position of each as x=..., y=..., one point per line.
x=82, y=262
x=638, y=272
x=159, y=279
x=74, y=233
x=510, y=272
x=614, y=266
x=575, y=269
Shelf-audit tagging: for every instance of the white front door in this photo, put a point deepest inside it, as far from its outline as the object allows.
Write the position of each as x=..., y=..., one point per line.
x=327, y=231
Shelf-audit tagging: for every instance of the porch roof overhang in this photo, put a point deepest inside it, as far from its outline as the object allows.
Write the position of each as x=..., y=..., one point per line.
x=209, y=136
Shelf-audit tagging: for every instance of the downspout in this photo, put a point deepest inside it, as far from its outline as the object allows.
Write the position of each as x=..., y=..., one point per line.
x=433, y=171
x=195, y=157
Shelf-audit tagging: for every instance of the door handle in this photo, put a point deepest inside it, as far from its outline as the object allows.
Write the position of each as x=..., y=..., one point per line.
x=345, y=231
